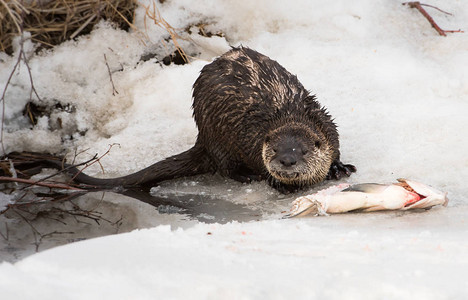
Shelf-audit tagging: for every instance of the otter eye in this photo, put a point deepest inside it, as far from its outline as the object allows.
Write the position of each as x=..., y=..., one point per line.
x=304, y=151
x=275, y=150
x=317, y=144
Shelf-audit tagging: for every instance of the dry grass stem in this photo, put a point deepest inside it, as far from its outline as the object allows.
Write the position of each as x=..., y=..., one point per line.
x=52, y=22
x=152, y=13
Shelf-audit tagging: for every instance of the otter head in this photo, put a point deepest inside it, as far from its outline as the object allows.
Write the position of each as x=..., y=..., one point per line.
x=295, y=154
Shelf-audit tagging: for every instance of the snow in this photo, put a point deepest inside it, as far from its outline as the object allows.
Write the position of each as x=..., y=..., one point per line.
x=397, y=91
x=354, y=257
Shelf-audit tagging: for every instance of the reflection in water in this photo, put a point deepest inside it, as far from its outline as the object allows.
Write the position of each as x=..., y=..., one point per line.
x=41, y=219
x=204, y=208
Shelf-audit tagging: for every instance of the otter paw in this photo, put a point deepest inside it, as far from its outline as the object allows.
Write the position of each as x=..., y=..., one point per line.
x=243, y=178
x=281, y=187
x=339, y=170
x=286, y=189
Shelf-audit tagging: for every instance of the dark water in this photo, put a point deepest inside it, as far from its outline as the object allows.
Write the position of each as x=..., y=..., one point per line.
x=41, y=219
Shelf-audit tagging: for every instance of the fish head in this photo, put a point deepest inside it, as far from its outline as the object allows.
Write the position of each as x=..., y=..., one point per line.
x=429, y=195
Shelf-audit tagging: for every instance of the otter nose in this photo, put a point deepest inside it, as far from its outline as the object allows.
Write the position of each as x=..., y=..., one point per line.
x=287, y=160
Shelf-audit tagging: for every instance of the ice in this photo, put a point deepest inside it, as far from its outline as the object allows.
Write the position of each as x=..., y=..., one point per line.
x=348, y=257
x=396, y=89
x=5, y=199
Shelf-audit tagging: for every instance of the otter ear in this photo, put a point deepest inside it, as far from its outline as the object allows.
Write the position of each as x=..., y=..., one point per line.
x=310, y=103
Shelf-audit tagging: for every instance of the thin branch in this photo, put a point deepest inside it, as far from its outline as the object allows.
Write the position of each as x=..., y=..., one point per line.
x=3, y=99
x=21, y=57
x=130, y=24
x=418, y=6
x=78, y=153
x=76, y=32
x=89, y=214
x=46, y=184
x=33, y=229
x=435, y=7
x=61, y=171
x=42, y=236
x=33, y=88
x=5, y=236
x=97, y=160
x=155, y=15
x=114, y=91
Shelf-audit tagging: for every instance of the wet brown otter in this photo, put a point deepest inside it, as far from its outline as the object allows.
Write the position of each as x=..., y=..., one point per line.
x=255, y=121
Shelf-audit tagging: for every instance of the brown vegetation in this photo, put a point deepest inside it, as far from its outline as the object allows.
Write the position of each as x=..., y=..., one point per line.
x=52, y=22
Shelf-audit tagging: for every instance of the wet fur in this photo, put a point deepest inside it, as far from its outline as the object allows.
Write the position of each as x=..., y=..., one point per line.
x=242, y=102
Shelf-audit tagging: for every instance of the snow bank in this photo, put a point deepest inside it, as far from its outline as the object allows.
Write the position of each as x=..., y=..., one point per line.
x=348, y=257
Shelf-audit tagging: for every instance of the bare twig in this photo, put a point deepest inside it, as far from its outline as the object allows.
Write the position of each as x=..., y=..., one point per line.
x=114, y=91
x=435, y=7
x=418, y=6
x=78, y=153
x=25, y=60
x=3, y=100
x=130, y=24
x=64, y=168
x=97, y=160
x=33, y=229
x=76, y=32
x=153, y=14
x=118, y=223
x=46, y=184
x=42, y=236
x=5, y=236
x=61, y=171
x=88, y=214
x=97, y=204
x=21, y=57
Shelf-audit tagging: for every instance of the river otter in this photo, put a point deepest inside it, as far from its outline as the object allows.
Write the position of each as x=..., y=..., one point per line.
x=256, y=121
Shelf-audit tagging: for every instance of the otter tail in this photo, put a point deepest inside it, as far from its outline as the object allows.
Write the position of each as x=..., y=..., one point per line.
x=189, y=163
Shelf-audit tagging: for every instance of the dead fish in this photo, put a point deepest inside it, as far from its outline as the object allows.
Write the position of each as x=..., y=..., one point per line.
x=403, y=195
